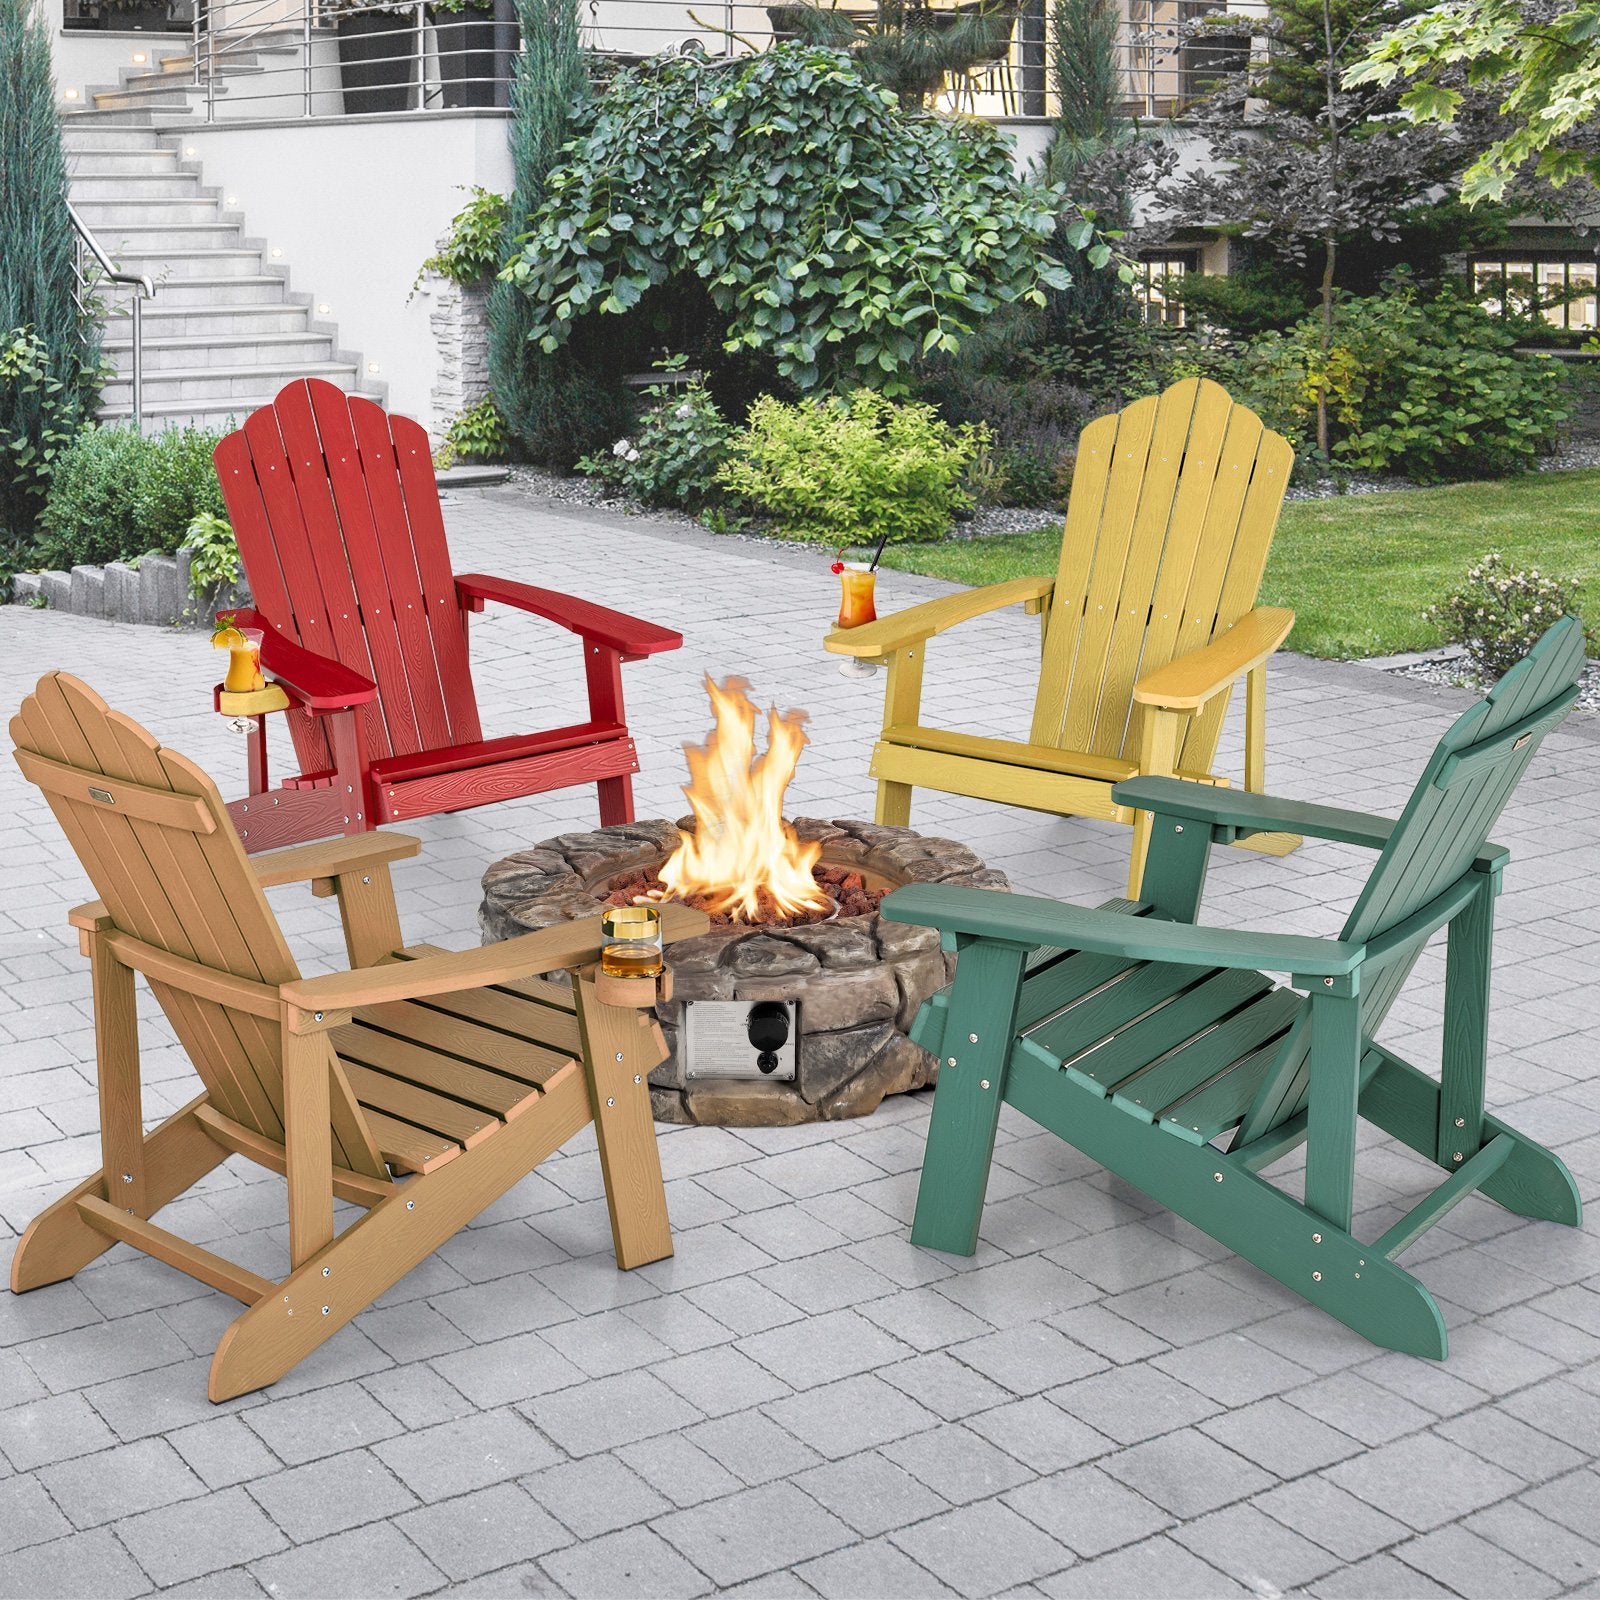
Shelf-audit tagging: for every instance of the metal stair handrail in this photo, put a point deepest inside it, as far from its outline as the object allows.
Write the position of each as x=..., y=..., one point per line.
x=85, y=242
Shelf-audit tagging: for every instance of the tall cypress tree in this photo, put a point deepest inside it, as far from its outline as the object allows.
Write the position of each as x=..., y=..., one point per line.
x=554, y=406
x=1089, y=154
x=49, y=351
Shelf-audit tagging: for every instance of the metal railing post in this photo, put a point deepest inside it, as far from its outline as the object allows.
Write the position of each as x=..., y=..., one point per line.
x=305, y=45
x=194, y=50
x=138, y=363
x=211, y=72
x=86, y=245
x=422, y=57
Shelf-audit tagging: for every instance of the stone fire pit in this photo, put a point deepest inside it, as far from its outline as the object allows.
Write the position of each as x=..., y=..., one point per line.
x=859, y=980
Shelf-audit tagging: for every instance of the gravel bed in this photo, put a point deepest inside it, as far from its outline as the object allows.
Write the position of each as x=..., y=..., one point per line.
x=990, y=522
x=1452, y=671
x=1578, y=456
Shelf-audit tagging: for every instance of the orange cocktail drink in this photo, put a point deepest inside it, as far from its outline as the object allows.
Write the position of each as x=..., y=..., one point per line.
x=244, y=661
x=856, y=584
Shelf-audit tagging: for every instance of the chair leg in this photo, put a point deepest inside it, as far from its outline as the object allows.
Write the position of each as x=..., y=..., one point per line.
x=894, y=805
x=966, y=1104
x=1248, y=1214
x=619, y=1054
x=59, y=1243
x=616, y=800
x=1255, y=764
x=902, y=703
x=324, y=1293
x=1158, y=757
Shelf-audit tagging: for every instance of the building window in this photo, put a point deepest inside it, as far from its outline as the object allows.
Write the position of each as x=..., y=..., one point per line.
x=1159, y=285
x=1561, y=289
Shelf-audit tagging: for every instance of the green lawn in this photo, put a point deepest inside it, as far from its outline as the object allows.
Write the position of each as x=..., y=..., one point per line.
x=1359, y=569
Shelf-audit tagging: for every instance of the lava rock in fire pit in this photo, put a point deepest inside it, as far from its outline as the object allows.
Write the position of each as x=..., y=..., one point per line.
x=858, y=979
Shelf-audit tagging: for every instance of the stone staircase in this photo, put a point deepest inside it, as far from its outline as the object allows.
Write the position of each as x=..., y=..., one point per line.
x=223, y=333
x=241, y=61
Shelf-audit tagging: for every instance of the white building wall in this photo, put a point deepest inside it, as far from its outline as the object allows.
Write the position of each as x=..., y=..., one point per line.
x=353, y=206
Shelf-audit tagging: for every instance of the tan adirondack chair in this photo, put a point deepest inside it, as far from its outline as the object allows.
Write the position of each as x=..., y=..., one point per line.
x=457, y=1068
x=1148, y=624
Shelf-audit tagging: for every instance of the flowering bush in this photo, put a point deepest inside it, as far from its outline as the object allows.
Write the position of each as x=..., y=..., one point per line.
x=1500, y=613
x=673, y=457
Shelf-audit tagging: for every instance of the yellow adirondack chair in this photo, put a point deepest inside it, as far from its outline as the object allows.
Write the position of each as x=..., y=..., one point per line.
x=1148, y=624
x=456, y=1067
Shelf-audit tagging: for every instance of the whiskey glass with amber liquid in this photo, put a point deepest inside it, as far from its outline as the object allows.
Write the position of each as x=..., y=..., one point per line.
x=630, y=942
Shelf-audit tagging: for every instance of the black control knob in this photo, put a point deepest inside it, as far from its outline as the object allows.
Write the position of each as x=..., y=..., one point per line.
x=767, y=1027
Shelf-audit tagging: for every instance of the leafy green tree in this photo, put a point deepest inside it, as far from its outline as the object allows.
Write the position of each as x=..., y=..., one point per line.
x=1542, y=63
x=557, y=405
x=49, y=347
x=1295, y=79
x=1306, y=167
x=830, y=231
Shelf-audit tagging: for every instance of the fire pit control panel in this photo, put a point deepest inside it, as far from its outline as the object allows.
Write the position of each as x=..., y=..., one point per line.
x=741, y=1039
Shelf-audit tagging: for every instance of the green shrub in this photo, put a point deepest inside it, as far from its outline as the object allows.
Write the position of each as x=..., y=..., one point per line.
x=470, y=248
x=90, y=515
x=849, y=471
x=1434, y=390
x=213, y=554
x=177, y=482
x=1244, y=304
x=673, y=457
x=478, y=434
x=1499, y=613
x=27, y=456
x=114, y=495
x=1033, y=420
x=835, y=234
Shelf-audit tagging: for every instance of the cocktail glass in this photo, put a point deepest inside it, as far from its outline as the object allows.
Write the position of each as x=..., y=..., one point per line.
x=244, y=663
x=856, y=585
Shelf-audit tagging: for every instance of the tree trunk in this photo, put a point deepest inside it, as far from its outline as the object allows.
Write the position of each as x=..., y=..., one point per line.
x=1330, y=251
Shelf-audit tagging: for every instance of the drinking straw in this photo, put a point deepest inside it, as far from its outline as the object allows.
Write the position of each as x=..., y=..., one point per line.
x=883, y=539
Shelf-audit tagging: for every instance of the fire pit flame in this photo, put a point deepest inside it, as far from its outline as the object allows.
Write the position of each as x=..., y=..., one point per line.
x=744, y=860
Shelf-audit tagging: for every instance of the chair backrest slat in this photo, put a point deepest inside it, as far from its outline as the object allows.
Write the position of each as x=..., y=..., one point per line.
x=1174, y=502
x=1436, y=840
x=430, y=633
x=252, y=529
x=182, y=888
x=343, y=542
x=1442, y=829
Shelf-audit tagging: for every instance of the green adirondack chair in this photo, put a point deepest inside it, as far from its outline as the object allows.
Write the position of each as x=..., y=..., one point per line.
x=1144, y=1039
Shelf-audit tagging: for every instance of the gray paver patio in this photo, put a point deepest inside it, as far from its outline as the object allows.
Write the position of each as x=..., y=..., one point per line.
x=1101, y=1402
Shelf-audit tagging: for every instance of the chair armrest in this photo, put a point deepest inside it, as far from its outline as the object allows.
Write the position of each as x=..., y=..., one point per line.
x=1252, y=813
x=1188, y=682
x=614, y=629
x=321, y=683
x=1031, y=922
x=328, y=858
x=316, y=1004
x=1235, y=811
x=916, y=623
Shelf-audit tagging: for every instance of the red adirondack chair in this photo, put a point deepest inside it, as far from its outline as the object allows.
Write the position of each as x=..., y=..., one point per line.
x=340, y=534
